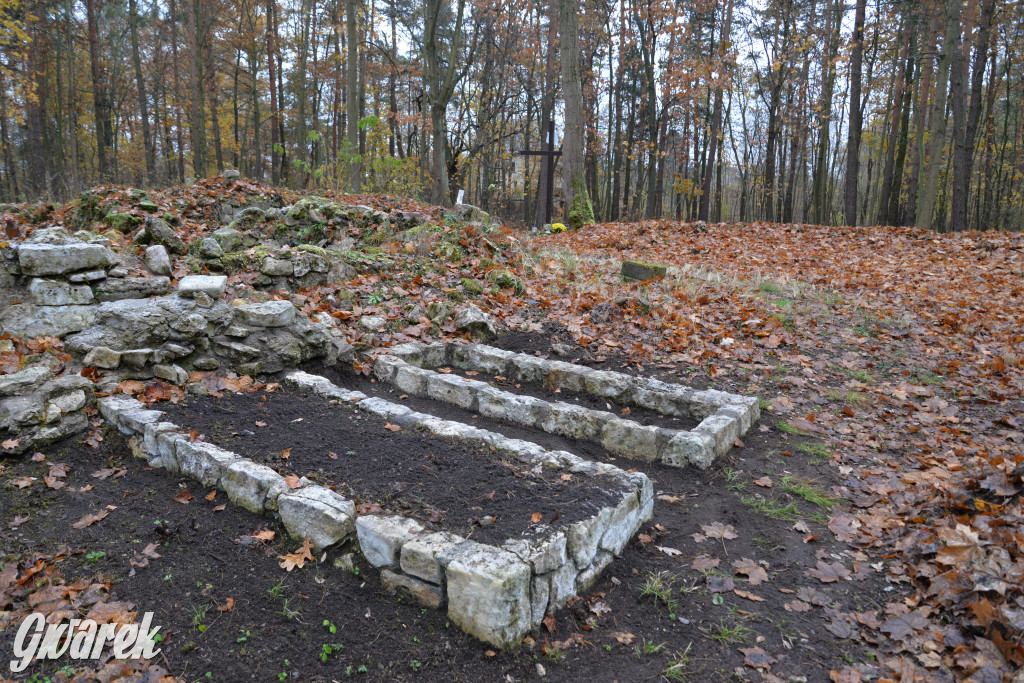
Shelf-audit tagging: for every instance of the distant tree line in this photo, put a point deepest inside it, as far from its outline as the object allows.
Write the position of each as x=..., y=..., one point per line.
x=905, y=112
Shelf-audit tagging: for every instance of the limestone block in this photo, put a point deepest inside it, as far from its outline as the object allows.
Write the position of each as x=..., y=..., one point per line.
x=586, y=579
x=543, y=556
x=102, y=357
x=204, y=461
x=567, y=376
x=424, y=593
x=24, y=381
x=136, y=420
x=277, y=267
x=478, y=324
x=211, y=285
x=411, y=380
x=111, y=406
x=488, y=593
x=583, y=537
x=157, y=231
x=58, y=293
x=157, y=260
x=530, y=369
x=689, y=448
x=57, y=259
x=623, y=522
x=630, y=439
x=540, y=594
x=174, y=374
x=319, y=513
x=381, y=537
x=67, y=403
x=151, y=440
x=210, y=249
x=563, y=586
x=575, y=421
x=613, y=385
x=424, y=556
x=253, y=486
x=269, y=314
x=131, y=288
x=503, y=405
x=454, y=389
x=87, y=276
x=28, y=320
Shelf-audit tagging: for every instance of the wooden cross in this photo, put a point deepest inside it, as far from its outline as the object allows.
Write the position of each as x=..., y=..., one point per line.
x=550, y=152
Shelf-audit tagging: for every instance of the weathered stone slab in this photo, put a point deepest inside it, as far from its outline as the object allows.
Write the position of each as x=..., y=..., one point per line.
x=381, y=537
x=454, y=389
x=117, y=289
x=24, y=381
x=28, y=320
x=689, y=448
x=157, y=260
x=253, y=486
x=269, y=314
x=641, y=271
x=204, y=461
x=423, y=557
x=57, y=293
x=210, y=285
x=630, y=440
x=488, y=593
x=319, y=513
x=57, y=259
x=422, y=592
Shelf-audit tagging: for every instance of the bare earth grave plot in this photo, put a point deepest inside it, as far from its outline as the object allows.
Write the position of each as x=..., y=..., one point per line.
x=504, y=585
x=496, y=594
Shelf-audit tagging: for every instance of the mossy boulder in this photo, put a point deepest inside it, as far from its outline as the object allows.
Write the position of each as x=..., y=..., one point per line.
x=642, y=271
x=148, y=205
x=472, y=287
x=504, y=278
x=123, y=222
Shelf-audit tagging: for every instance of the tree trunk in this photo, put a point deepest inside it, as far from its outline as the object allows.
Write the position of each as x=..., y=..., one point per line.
x=355, y=170
x=140, y=85
x=275, y=143
x=198, y=127
x=574, y=183
x=966, y=122
x=99, y=90
x=856, y=114
x=716, y=117
x=177, y=91
x=937, y=139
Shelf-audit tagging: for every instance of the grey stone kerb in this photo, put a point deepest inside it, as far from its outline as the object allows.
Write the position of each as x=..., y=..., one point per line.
x=496, y=594
x=723, y=416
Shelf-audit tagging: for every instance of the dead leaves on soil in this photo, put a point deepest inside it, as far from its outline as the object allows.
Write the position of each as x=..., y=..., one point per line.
x=297, y=558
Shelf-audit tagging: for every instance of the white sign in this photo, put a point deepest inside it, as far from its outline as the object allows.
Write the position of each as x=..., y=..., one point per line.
x=82, y=639
x=461, y=195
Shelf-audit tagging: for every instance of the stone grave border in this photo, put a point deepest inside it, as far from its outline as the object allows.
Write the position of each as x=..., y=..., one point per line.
x=497, y=594
x=724, y=416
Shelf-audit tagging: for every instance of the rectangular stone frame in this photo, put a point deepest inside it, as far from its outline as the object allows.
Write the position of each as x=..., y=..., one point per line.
x=724, y=417
x=497, y=594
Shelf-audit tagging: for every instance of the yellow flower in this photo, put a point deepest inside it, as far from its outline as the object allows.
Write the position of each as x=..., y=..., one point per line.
x=557, y=227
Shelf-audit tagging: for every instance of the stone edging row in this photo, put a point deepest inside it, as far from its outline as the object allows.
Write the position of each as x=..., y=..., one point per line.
x=495, y=594
x=724, y=416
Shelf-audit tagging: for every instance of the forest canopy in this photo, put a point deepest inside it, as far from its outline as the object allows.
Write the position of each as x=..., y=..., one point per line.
x=816, y=111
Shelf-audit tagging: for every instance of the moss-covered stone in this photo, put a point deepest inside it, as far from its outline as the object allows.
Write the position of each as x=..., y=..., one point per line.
x=504, y=278
x=312, y=249
x=641, y=271
x=457, y=296
x=472, y=287
x=123, y=222
x=148, y=205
